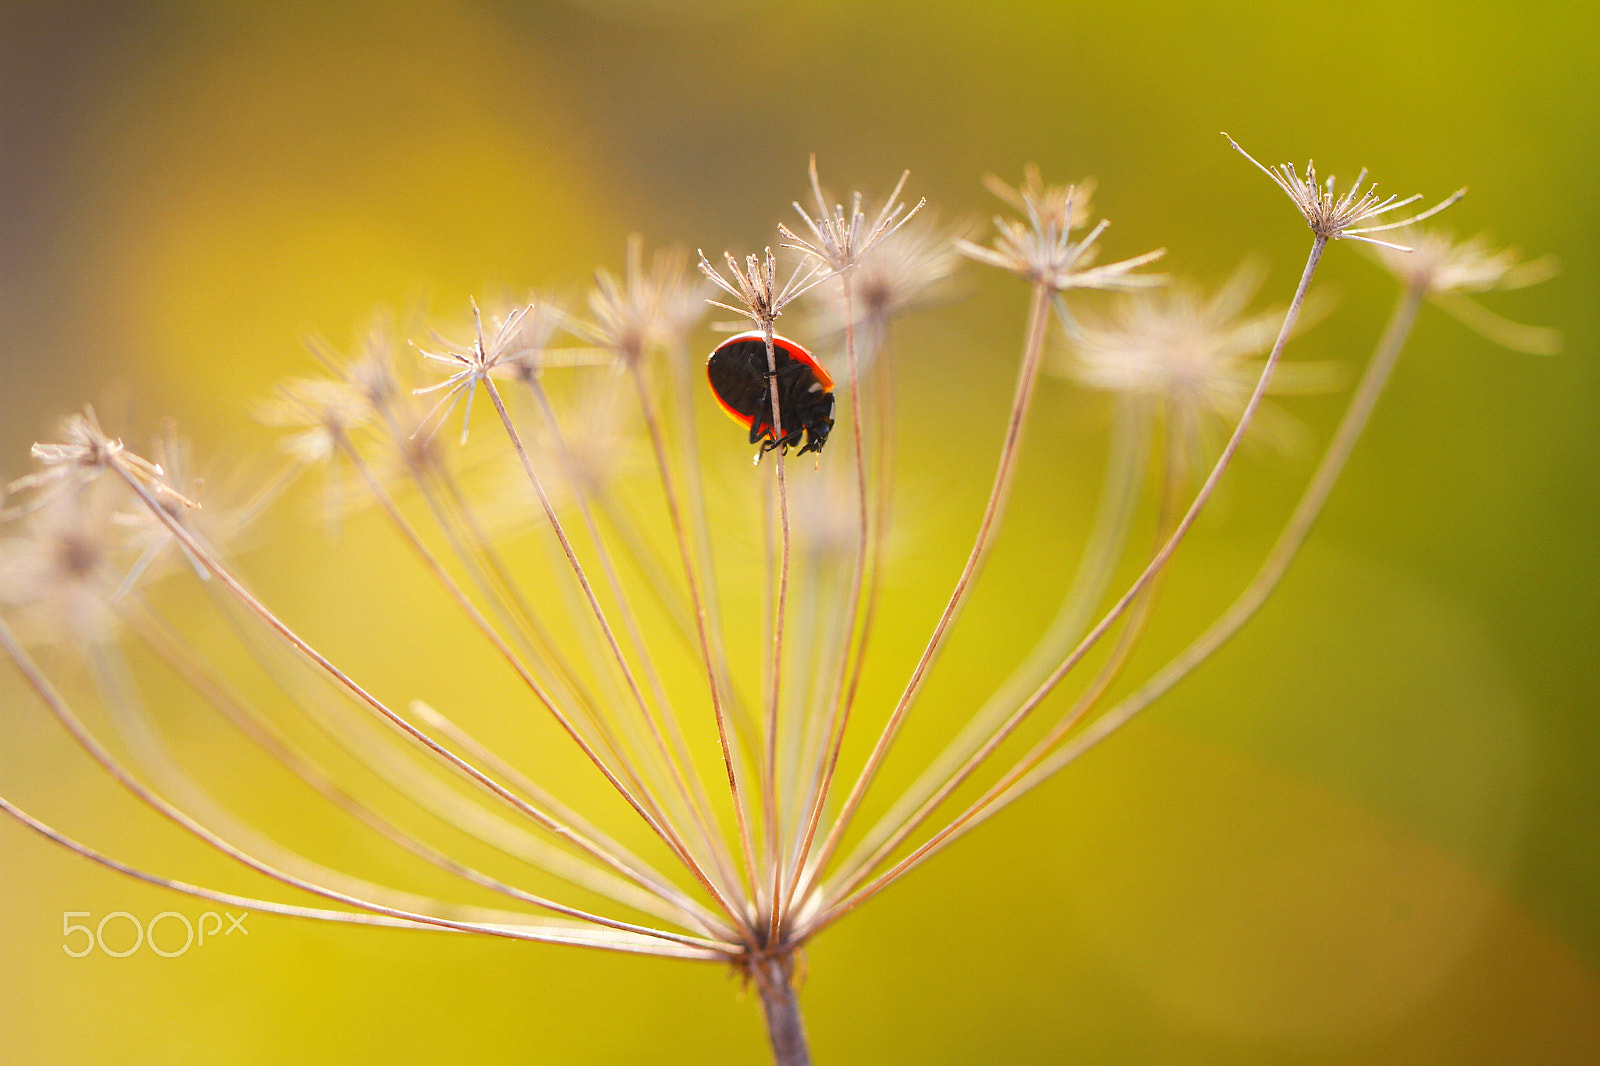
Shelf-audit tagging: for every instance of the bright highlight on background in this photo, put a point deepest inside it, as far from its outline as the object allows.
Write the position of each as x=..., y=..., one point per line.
x=1365, y=832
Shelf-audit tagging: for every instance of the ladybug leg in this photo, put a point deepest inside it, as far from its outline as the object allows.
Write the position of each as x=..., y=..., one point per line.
x=760, y=428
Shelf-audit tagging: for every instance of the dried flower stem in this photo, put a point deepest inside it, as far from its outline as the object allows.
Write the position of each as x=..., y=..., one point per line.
x=1283, y=551
x=74, y=726
x=702, y=589
x=572, y=934
x=1108, y=538
x=1027, y=378
x=638, y=796
x=236, y=588
x=571, y=823
x=460, y=525
x=842, y=902
x=153, y=757
x=786, y=1032
x=853, y=873
x=774, y=680
x=191, y=668
x=677, y=760
x=709, y=655
x=842, y=696
x=671, y=837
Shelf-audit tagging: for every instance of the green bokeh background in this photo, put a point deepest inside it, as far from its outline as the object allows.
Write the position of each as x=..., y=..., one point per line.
x=1367, y=832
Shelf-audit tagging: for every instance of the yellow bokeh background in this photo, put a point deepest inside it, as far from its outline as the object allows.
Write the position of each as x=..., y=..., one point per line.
x=1367, y=832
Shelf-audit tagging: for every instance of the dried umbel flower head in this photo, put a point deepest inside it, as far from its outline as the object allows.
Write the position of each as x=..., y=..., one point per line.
x=1066, y=206
x=719, y=705
x=1333, y=216
x=217, y=511
x=1186, y=357
x=644, y=309
x=1041, y=248
x=839, y=238
x=1446, y=270
x=84, y=453
x=326, y=410
x=755, y=286
x=83, y=536
x=910, y=268
x=517, y=346
x=62, y=568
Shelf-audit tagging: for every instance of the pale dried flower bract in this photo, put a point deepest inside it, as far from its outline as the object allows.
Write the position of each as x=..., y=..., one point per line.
x=327, y=410
x=60, y=574
x=909, y=268
x=510, y=351
x=81, y=547
x=85, y=452
x=1064, y=205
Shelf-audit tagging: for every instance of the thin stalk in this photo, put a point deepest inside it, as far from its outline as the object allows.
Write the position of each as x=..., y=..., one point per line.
x=453, y=589
x=852, y=875
x=708, y=656
x=619, y=658
x=702, y=589
x=638, y=795
x=837, y=906
x=624, y=523
x=1027, y=377
x=86, y=740
x=494, y=578
x=191, y=668
x=233, y=585
x=600, y=939
x=673, y=840
x=842, y=695
x=576, y=823
x=770, y=782
x=421, y=788
x=1108, y=539
x=676, y=759
x=883, y=463
x=152, y=756
x=1272, y=569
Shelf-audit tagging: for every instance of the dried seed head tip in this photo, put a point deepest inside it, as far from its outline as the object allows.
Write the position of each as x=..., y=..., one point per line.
x=1338, y=217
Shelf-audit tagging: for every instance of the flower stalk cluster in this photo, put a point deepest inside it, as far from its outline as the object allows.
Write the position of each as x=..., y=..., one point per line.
x=732, y=831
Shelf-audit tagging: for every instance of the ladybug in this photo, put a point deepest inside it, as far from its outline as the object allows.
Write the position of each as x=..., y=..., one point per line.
x=738, y=372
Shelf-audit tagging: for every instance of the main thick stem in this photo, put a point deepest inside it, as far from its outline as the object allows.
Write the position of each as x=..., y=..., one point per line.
x=785, y=1029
